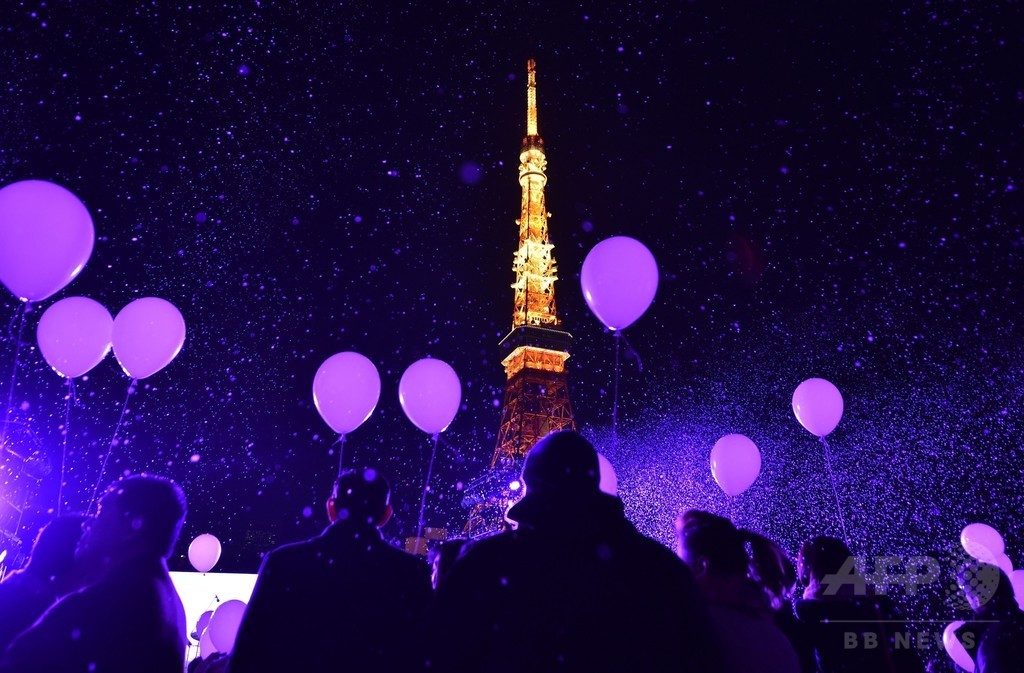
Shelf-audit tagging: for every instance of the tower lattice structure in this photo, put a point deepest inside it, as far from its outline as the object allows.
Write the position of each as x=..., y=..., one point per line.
x=536, y=399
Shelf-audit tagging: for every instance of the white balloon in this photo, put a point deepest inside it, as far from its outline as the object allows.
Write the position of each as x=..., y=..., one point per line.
x=430, y=394
x=609, y=482
x=206, y=646
x=735, y=463
x=955, y=649
x=346, y=389
x=223, y=628
x=204, y=552
x=982, y=542
x=818, y=405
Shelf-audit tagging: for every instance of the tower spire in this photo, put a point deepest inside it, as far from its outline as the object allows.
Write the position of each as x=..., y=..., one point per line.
x=531, y=98
x=533, y=263
x=536, y=398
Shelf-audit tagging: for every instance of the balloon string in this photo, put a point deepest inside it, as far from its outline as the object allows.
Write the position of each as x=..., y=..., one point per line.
x=113, y=441
x=71, y=400
x=615, y=393
x=835, y=491
x=14, y=370
x=341, y=452
x=426, y=487
x=632, y=351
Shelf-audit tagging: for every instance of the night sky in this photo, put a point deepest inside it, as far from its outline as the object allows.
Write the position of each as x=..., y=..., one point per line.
x=830, y=189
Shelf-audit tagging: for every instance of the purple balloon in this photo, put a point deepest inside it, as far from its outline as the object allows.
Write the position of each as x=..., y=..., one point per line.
x=619, y=279
x=430, y=394
x=203, y=622
x=74, y=335
x=148, y=334
x=609, y=482
x=982, y=542
x=46, y=237
x=204, y=552
x=735, y=463
x=954, y=648
x=224, y=623
x=346, y=390
x=818, y=406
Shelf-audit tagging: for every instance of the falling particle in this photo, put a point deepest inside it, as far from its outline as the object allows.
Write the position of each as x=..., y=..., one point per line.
x=200, y=217
x=307, y=512
x=470, y=173
x=194, y=458
x=243, y=70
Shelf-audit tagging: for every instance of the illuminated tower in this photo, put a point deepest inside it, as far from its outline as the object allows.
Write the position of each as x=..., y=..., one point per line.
x=536, y=390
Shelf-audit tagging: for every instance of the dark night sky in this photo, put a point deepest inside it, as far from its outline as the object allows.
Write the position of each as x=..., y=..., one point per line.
x=831, y=189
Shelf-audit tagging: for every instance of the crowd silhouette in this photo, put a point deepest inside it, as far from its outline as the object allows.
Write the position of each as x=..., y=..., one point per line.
x=573, y=587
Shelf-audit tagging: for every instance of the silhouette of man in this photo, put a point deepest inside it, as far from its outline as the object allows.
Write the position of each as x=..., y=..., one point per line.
x=50, y=574
x=345, y=600
x=574, y=588
x=130, y=618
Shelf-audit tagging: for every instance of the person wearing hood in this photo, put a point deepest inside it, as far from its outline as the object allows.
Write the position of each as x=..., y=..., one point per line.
x=574, y=588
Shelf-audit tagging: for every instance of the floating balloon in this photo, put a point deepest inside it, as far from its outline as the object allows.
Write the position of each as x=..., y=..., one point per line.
x=982, y=542
x=203, y=622
x=224, y=623
x=818, y=406
x=148, y=334
x=46, y=237
x=955, y=649
x=1003, y=562
x=619, y=279
x=609, y=482
x=430, y=394
x=206, y=647
x=74, y=335
x=204, y=552
x=346, y=389
x=735, y=463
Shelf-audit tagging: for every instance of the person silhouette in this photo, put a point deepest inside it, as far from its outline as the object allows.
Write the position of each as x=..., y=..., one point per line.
x=51, y=572
x=574, y=588
x=345, y=600
x=130, y=618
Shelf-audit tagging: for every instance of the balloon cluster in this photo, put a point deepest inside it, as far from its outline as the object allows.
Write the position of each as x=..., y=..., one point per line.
x=46, y=239
x=346, y=390
x=76, y=333
x=736, y=460
x=983, y=543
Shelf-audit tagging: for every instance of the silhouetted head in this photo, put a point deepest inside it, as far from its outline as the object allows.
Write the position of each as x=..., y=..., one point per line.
x=560, y=470
x=821, y=556
x=442, y=558
x=713, y=547
x=987, y=588
x=360, y=496
x=138, y=516
x=711, y=544
x=53, y=554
